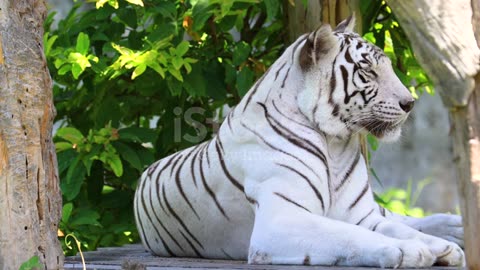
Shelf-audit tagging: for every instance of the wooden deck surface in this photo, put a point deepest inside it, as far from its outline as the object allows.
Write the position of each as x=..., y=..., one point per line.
x=134, y=257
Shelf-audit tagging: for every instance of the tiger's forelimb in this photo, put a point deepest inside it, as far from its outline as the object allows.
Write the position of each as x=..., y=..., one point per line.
x=445, y=226
x=286, y=233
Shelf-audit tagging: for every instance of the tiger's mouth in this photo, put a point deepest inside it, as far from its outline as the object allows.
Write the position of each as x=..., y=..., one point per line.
x=380, y=128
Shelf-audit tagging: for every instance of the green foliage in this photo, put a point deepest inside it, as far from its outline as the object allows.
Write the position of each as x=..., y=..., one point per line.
x=124, y=72
x=402, y=201
x=31, y=264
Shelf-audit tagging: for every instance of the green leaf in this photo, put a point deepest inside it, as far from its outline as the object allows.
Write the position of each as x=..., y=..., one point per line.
x=244, y=81
x=62, y=146
x=74, y=179
x=201, y=11
x=116, y=164
x=155, y=66
x=32, y=263
x=128, y=154
x=76, y=70
x=65, y=159
x=375, y=176
x=225, y=7
x=84, y=216
x=373, y=142
x=379, y=199
x=48, y=43
x=64, y=69
x=195, y=83
x=83, y=43
x=273, y=6
x=113, y=3
x=176, y=73
x=70, y=134
x=241, y=53
x=182, y=48
x=177, y=63
x=90, y=157
x=100, y=3
x=66, y=212
x=138, y=71
x=129, y=16
x=71, y=173
x=136, y=2
x=138, y=134
x=146, y=156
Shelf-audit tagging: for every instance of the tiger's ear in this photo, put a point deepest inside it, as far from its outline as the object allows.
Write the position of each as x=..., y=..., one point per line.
x=318, y=43
x=346, y=25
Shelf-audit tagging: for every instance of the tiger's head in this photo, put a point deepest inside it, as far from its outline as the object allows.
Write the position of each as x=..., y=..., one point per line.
x=350, y=85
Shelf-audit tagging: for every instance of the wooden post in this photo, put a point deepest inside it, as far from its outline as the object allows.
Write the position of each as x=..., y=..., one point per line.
x=30, y=198
x=445, y=37
x=301, y=19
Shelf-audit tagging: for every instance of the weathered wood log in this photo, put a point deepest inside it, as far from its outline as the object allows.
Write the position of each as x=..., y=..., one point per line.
x=302, y=19
x=445, y=37
x=30, y=198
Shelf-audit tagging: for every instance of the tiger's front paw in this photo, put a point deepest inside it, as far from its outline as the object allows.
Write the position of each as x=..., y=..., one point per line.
x=406, y=254
x=445, y=226
x=446, y=253
x=452, y=255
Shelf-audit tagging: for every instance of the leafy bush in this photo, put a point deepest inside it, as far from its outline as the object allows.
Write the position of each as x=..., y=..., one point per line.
x=125, y=72
x=403, y=201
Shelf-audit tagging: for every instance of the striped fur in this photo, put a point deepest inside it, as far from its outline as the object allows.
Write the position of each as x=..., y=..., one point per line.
x=283, y=181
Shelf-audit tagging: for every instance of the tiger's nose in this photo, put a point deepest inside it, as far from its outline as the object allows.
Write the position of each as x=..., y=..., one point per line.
x=407, y=105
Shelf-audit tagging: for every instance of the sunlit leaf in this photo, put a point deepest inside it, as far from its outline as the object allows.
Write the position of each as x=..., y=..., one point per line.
x=136, y=2
x=116, y=164
x=64, y=69
x=83, y=43
x=182, y=48
x=77, y=70
x=48, y=43
x=177, y=62
x=70, y=134
x=176, y=73
x=138, y=71
x=62, y=146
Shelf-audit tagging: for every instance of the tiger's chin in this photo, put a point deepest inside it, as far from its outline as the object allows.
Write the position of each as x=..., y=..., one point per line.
x=386, y=132
x=390, y=135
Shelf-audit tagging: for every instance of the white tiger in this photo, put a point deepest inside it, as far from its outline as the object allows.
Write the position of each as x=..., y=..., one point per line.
x=284, y=181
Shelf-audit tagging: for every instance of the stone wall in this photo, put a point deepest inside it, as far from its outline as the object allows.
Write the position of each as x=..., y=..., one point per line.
x=423, y=151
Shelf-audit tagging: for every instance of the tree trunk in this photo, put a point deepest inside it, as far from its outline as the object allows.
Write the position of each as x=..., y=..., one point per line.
x=445, y=37
x=30, y=198
x=302, y=19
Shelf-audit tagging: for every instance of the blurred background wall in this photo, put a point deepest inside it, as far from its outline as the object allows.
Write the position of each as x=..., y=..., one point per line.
x=423, y=152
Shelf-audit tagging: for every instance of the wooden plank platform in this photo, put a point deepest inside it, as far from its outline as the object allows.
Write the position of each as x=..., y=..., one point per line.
x=134, y=257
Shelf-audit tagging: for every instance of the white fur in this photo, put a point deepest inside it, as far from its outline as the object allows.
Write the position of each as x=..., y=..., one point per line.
x=270, y=229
